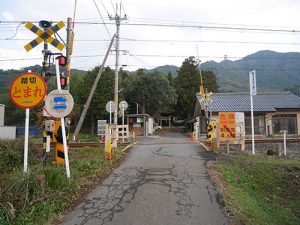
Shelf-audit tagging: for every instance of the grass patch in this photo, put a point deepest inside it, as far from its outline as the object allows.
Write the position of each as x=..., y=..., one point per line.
x=261, y=190
x=25, y=201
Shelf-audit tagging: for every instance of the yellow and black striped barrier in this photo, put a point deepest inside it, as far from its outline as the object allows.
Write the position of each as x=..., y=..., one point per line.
x=44, y=36
x=211, y=129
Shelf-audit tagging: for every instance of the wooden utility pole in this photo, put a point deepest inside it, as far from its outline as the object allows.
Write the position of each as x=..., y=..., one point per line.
x=89, y=99
x=118, y=20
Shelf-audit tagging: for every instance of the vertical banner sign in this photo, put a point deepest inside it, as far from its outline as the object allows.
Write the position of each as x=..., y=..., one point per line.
x=227, y=127
x=252, y=79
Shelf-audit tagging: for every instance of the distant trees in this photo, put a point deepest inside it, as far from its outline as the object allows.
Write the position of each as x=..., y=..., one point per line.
x=152, y=91
x=156, y=93
x=104, y=93
x=295, y=90
x=187, y=85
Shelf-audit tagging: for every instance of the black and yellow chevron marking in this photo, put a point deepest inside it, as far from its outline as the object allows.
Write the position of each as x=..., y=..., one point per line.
x=59, y=153
x=211, y=128
x=44, y=36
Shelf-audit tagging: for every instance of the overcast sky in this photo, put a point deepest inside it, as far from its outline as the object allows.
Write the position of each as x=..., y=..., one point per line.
x=181, y=27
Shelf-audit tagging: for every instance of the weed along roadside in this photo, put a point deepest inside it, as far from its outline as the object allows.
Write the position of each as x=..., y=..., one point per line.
x=41, y=196
x=258, y=190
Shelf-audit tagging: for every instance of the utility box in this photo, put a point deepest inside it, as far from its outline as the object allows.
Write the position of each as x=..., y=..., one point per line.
x=49, y=125
x=8, y=132
x=150, y=126
x=2, y=110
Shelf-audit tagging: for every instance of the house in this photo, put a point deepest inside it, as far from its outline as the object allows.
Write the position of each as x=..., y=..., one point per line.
x=273, y=112
x=5, y=131
x=140, y=124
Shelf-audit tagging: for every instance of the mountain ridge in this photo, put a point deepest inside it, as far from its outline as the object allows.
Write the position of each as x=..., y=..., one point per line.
x=274, y=71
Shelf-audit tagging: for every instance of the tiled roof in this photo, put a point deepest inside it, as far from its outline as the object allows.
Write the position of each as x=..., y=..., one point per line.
x=240, y=102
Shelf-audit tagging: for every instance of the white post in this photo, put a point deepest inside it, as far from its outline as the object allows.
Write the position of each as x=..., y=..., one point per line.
x=26, y=140
x=109, y=112
x=252, y=81
x=284, y=143
x=227, y=146
x=123, y=117
x=48, y=143
x=252, y=125
x=63, y=128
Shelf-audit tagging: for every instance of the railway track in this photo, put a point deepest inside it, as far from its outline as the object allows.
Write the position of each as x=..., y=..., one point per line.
x=273, y=140
x=79, y=144
x=248, y=141
x=266, y=141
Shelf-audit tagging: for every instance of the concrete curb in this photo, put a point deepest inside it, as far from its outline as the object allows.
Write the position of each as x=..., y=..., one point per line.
x=128, y=147
x=204, y=146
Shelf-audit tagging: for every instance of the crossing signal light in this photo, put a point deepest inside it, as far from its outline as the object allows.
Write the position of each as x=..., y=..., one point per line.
x=62, y=60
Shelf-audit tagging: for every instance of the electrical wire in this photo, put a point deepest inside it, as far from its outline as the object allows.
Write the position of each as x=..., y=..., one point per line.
x=102, y=18
x=165, y=56
x=15, y=32
x=171, y=41
x=122, y=6
x=212, y=27
x=104, y=7
x=113, y=6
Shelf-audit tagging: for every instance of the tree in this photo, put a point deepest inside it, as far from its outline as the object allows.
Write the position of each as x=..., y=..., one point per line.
x=104, y=93
x=152, y=92
x=209, y=81
x=187, y=85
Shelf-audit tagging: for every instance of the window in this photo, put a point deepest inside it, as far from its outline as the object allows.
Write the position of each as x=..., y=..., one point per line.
x=259, y=125
x=285, y=122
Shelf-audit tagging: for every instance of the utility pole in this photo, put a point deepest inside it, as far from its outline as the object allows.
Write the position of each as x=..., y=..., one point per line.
x=89, y=99
x=68, y=52
x=118, y=20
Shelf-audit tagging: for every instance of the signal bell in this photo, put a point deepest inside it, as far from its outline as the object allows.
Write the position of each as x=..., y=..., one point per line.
x=45, y=24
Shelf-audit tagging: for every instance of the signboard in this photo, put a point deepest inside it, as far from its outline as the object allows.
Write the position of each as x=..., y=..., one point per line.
x=123, y=105
x=252, y=78
x=227, y=127
x=101, y=127
x=28, y=90
x=59, y=103
x=240, y=117
x=110, y=106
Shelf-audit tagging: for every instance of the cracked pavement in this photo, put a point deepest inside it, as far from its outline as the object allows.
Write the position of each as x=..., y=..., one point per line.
x=163, y=180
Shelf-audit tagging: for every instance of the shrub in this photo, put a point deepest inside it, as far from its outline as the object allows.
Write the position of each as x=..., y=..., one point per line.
x=12, y=151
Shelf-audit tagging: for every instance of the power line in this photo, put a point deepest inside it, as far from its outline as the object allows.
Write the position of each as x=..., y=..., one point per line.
x=171, y=41
x=213, y=27
x=104, y=7
x=102, y=18
x=113, y=6
x=160, y=56
x=230, y=28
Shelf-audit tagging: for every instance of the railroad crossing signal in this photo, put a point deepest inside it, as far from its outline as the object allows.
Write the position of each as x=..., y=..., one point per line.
x=44, y=36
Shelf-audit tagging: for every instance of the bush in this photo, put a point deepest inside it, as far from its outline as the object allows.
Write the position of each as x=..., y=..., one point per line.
x=23, y=190
x=56, y=178
x=12, y=151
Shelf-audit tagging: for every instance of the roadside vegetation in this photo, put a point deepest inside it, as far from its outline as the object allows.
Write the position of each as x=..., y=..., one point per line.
x=259, y=190
x=41, y=196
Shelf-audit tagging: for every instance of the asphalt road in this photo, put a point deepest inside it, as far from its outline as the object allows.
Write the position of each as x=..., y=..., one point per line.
x=162, y=181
